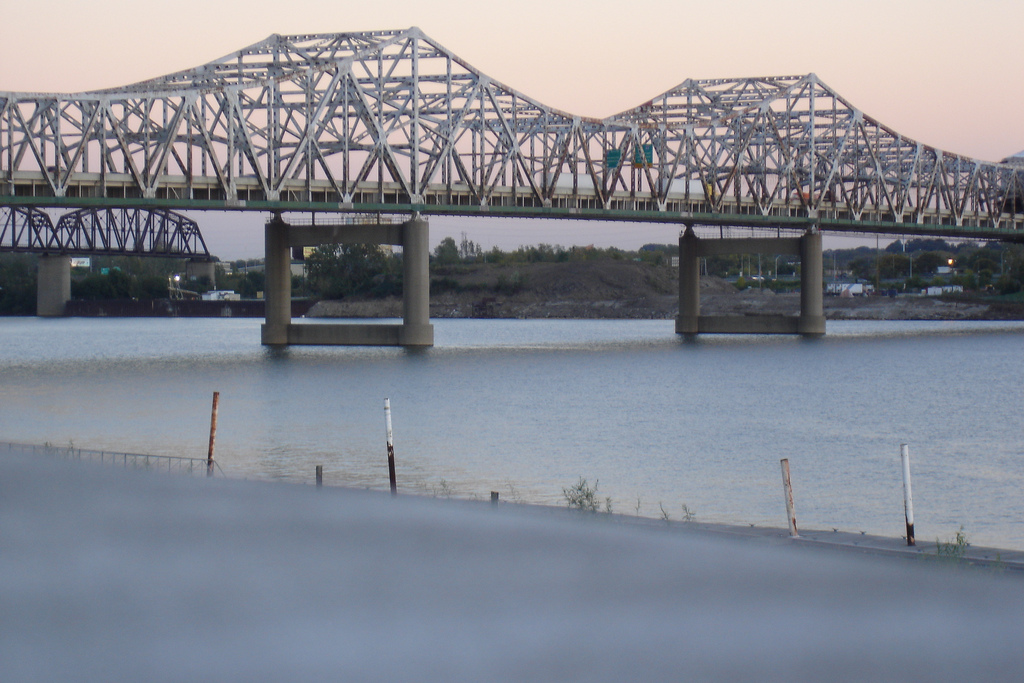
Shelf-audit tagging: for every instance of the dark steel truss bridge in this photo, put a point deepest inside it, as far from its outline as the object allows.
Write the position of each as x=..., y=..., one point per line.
x=102, y=232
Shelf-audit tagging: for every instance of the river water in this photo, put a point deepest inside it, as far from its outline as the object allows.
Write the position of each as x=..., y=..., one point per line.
x=527, y=407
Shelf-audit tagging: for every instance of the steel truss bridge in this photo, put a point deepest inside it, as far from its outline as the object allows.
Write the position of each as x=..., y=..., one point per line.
x=392, y=121
x=102, y=232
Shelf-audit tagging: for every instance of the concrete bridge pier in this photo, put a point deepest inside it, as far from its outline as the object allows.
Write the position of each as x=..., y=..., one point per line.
x=810, y=322
x=812, y=307
x=416, y=328
x=412, y=236
x=277, y=294
x=688, y=321
x=196, y=268
x=53, y=287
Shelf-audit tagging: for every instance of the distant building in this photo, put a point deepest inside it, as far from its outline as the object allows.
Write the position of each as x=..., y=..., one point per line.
x=847, y=289
x=944, y=289
x=221, y=295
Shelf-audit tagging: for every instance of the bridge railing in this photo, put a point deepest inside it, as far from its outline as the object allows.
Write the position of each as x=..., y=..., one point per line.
x=173, y=464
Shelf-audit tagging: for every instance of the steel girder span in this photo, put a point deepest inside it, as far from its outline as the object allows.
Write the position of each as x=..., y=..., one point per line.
x=393, y=121
x=102, y=232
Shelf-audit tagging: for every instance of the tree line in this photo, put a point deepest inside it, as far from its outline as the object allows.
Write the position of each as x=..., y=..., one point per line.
x=917, y=263
x=339, y=271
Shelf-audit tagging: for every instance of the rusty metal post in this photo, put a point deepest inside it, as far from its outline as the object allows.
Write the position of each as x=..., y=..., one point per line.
x=908, y=500
x=213, y=434
x=787, y=485
x=319, y=476
x=391, y=447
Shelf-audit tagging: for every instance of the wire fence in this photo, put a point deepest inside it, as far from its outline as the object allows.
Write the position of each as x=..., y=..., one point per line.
x=173, y=464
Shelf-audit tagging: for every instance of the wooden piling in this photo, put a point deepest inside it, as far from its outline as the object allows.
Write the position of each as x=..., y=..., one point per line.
x=787, y=486
x=319, y=476
x=908, y=500
x=391, y=447
x=213, y=433
x=494, y=497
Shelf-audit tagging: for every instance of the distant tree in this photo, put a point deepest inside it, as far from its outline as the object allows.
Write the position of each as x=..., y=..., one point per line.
x=985, y=277
x=114, y=284
x=914, y=283
x=149, y=287
x=894, y=265
x=863, y=267
x=469, y=250
x=496, y=255
x=447, y=252
x=928, y=262
x=247, y=284
x=339, y=270
x=18, y=284
x=929, y=244
x=1008, y=284
x=967, y=279
x=896, y=247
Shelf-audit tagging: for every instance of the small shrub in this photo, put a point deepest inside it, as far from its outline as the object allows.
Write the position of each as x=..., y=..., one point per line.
x=510, y=285
x=688, y=514
x=444, y=489
x=513, y=493
x=439, y=285
x=581, y=496
x=953, y=549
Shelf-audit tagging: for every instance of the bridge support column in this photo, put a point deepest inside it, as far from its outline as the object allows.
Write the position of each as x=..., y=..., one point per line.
x=812, y=307
x=811, y=320
x=278, y=286
x=200, y=268
x=413, y=236
x=689, y=283
x=53, y=288
x=416, y=327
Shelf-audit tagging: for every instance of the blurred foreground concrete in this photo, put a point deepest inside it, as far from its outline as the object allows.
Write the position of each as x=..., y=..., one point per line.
x=108, y=575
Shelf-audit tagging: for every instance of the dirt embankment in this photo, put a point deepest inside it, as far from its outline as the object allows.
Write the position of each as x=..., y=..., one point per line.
x=630, y=289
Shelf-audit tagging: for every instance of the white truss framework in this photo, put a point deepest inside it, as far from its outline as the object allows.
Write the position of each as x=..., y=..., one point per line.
x=392, y=120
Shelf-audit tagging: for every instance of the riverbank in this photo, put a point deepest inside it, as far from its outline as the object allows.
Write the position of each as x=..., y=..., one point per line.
x=666, y=307
x=117, y=576
x=176, y=308
x=612, y=289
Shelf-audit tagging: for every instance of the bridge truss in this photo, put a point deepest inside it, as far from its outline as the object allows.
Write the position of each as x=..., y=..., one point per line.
x=102, y=232
x=393, y=121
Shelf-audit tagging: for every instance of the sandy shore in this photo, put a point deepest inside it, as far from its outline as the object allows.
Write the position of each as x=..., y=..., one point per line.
x=119, y=576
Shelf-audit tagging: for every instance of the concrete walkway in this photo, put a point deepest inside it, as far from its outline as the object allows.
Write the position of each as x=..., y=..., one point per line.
x=998, y=559
x=107, y=575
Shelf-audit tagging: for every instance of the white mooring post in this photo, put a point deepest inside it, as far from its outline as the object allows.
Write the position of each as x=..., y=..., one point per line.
x=391, y=447
x=788, y=488
x=908, y=500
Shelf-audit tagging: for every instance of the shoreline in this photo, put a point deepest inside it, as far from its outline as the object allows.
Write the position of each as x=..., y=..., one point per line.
x=1001, y=559
x=119, y=576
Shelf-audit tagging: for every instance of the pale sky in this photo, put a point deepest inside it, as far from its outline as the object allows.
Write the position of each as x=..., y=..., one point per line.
x=947, y=73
